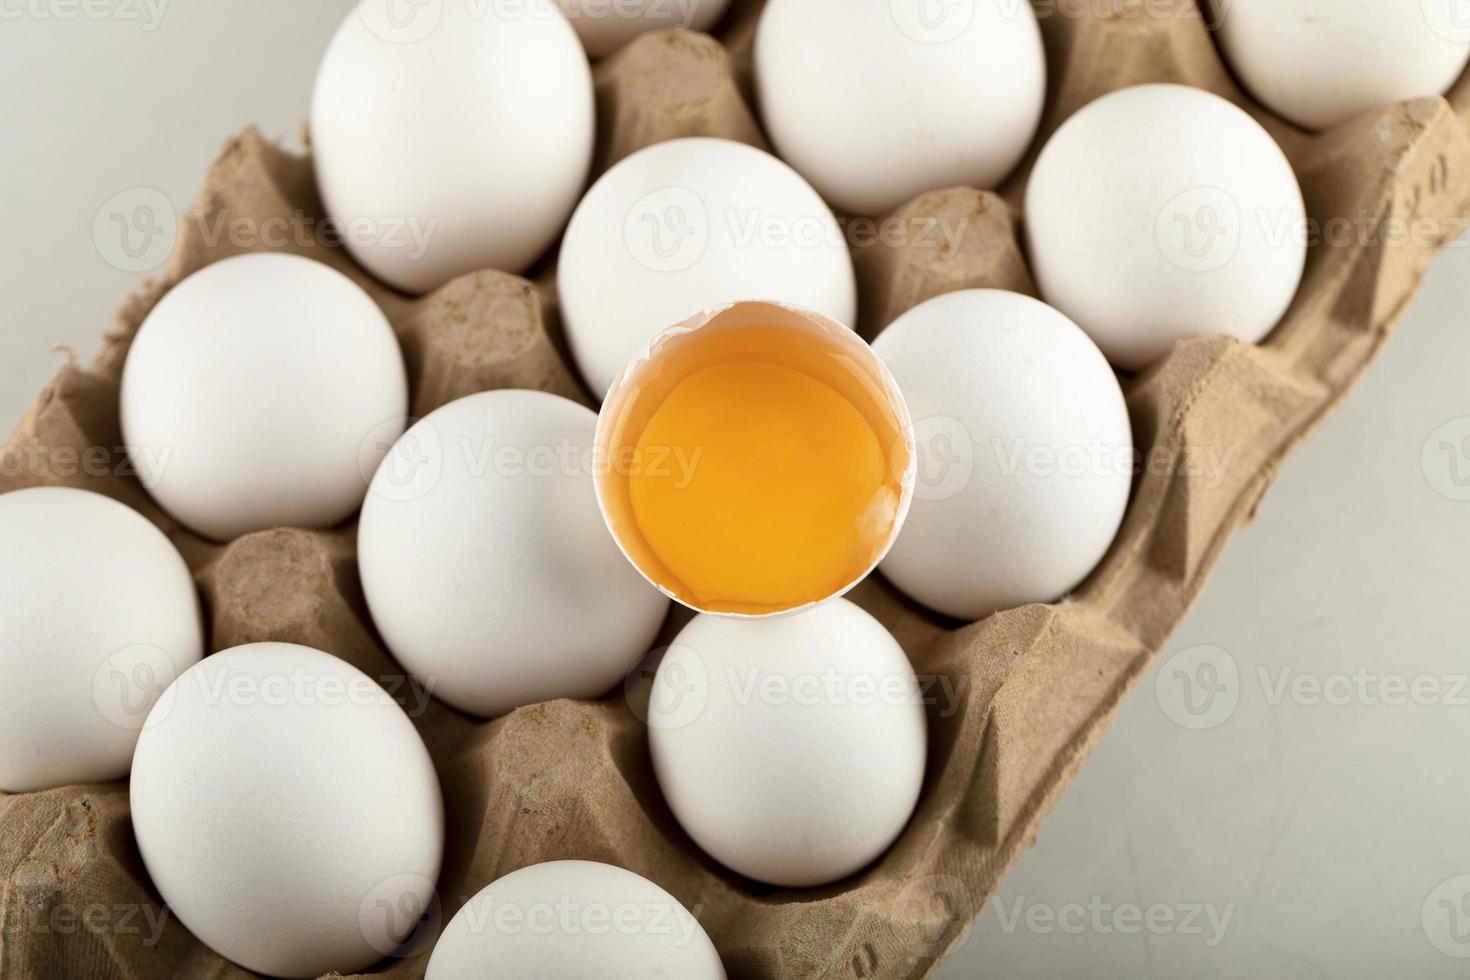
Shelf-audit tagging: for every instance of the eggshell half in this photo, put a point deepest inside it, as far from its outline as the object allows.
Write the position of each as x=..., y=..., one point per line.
x=803, y=339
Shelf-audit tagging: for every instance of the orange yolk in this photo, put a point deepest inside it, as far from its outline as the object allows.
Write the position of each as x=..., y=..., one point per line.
x=760, y=488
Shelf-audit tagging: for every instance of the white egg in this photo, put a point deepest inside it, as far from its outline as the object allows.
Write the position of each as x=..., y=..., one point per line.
x=1025, y=452
x=606, y=25
x=1163, y=212
x=451, y=137
x=574, y=919
x=97, y=614
x=281, y=802
x=485, y=561
x=685, y=226
x=1321, y=62
x=877, y=101
x=792, y=749
x=258, y=393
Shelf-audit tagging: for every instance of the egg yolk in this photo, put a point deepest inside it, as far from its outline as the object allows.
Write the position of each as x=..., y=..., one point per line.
x=760, y=488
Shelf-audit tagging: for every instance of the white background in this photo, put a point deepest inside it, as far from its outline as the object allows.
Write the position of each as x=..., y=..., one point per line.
x=1320, y=828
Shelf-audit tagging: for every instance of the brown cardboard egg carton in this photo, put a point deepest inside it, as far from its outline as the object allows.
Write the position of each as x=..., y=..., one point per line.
x=572, y=779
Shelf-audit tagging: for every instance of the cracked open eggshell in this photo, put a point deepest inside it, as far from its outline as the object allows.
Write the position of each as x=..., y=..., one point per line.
x=755, y=460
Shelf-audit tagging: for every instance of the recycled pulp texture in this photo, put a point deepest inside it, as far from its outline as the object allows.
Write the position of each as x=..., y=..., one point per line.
x=573, y=779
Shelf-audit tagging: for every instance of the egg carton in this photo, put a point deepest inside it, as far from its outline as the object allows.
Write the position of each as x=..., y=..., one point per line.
x=1035, y=686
